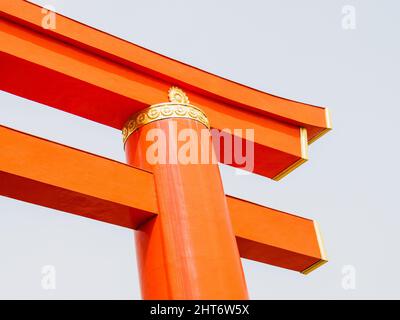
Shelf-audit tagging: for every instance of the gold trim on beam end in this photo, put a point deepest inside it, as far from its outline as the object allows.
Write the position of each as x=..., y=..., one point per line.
x=304, y=143
x=299, y=162
x=319, y=135
x=320, y=241
x=314, y=266
x=322, y=250
x=328, y=127
x=288, y=170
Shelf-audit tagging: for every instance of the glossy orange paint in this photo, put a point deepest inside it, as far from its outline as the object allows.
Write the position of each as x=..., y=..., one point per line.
x=59, y=177
x=159, y=66
x=115, y=78
x=185, y=235
x=275, y=237
x=94, y=187
x=189, y=249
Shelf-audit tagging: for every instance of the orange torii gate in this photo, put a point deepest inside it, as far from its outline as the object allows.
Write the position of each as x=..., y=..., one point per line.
x=189, y=235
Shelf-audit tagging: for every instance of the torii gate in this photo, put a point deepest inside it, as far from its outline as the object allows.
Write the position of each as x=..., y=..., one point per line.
x=189, y=235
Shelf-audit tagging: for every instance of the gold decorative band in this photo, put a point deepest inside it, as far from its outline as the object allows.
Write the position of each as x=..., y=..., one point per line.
x=163, y=111
x=324, y=258
x=178, y=107
x=314, y=266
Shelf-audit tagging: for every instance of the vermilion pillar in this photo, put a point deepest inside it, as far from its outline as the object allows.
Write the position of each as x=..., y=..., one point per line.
x=189, y=250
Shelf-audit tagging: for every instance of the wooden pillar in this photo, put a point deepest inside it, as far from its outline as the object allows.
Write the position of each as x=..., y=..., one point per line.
x=189, y=250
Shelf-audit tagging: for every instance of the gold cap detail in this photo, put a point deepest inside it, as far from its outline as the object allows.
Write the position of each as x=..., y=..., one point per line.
x=177, y=95
x=178, y=107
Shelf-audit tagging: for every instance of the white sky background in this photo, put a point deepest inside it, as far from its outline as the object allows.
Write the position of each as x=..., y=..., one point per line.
x=294, y=49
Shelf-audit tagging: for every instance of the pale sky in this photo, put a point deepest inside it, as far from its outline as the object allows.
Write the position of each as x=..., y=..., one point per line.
x=297, y=50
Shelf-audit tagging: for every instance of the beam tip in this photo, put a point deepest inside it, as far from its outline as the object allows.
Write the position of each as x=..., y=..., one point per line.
x=314, y=266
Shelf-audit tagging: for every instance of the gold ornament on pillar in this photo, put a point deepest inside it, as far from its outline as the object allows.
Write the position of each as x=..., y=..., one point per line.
x=178, y=107
x=177, y=95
